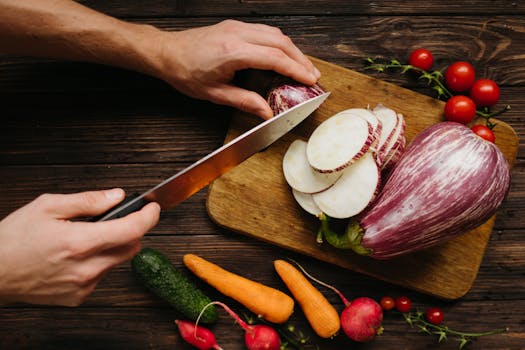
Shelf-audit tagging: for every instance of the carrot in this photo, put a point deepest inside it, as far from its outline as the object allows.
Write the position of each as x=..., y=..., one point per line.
x=269, y=303
x=321, y=315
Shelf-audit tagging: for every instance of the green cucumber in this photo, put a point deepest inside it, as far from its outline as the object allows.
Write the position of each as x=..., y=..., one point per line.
x=154, y=270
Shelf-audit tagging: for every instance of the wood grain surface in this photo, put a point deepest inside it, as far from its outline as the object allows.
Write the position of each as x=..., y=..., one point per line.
x=71, y=126
x=255, y=199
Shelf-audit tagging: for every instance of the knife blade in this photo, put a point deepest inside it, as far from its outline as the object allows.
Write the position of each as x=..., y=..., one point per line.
x=190, y=180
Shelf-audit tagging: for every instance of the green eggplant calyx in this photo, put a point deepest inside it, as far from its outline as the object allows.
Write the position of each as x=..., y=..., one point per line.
x=350, y=239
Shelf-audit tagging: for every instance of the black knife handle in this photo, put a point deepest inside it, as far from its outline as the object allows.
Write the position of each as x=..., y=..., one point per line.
x=136, y=206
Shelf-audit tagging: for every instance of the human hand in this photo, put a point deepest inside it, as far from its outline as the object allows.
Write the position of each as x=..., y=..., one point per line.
x=47, y=259
x=202, y=62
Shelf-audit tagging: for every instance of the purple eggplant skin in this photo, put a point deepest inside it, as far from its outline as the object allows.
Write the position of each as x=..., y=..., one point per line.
x=447, y=182
x=287, y=95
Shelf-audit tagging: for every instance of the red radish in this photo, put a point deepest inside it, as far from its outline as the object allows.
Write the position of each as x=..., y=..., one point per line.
x=256, y=337
x=338, y=142
x=362, y=317
x=306, y=201
x=448, y=182
x=353, y=191
x=300, y=175
x=200, y=337
x=285, y=96
x=361, y=320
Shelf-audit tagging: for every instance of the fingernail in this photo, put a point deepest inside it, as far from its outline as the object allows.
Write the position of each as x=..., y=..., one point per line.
x=264, y=112
x=114, y=194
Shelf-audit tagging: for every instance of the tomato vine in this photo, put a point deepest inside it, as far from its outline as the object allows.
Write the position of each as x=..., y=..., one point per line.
x=436, y=80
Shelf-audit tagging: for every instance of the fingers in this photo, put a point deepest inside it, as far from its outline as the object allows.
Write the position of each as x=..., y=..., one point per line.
x=244, y=100
x=84, y=279
x=95, y=267
x=270, y=58
x=87, y=238
x=91, y=203
x=298, y=64
x=279, y=53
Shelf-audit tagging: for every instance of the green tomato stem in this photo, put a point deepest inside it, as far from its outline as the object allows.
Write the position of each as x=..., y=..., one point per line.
x=430, y=328
x=432, y=77
x=486, y=113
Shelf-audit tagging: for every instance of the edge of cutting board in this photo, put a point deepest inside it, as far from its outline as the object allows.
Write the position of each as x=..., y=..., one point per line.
x=253, y=199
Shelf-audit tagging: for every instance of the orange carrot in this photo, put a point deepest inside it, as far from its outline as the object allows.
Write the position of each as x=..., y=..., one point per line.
x=269, y=303
x=321, y=315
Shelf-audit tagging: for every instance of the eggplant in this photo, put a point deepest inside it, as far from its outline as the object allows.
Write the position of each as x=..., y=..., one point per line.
x=447, y=182
x=285, y=95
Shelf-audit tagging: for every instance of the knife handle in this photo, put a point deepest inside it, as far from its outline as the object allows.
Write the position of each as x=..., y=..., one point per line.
x=136, y=206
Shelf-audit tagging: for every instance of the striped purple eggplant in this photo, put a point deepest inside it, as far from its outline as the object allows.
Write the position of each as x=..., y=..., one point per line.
x=447, y=182
x=286, y=95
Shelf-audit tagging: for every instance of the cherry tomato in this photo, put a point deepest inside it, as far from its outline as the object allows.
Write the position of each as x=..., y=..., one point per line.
x=484, y=132
x=460, y=109
x=403, y=304
x=434, y=315
x=387, y=303
x=421, y=58
x=460, y=76
x=485, y=92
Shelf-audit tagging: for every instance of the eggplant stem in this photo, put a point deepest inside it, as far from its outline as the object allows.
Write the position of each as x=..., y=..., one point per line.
x=350, y=239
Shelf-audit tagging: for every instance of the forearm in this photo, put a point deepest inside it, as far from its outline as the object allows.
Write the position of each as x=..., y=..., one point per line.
x=65, y=29
x=199, y=62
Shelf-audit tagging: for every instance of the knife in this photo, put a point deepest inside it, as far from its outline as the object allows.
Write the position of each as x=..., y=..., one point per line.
x=190, y=180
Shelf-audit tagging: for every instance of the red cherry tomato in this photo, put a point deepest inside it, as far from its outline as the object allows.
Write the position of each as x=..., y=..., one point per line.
x=484, y=132
x=421, y=58
x=387, y=303
x=434, y=315
x=403, y=304
x=460, y=76
x=460, y=109
x=485, y=92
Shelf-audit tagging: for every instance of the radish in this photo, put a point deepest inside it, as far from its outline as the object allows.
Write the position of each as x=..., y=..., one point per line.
x=306, y=201
x=338, y=142
x=447, y=182
x=353, y=191
x=287, y=95
x=256, y=337
x=300, y=175
x=361, y=319
x=200, y=337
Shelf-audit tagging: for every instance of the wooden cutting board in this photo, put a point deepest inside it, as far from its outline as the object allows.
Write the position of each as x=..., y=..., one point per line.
x=255, y=200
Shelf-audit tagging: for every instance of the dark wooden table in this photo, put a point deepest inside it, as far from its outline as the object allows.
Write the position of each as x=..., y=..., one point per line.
x=70, y=127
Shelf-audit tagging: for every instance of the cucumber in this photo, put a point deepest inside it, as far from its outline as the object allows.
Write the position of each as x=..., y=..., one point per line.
x=154, y=270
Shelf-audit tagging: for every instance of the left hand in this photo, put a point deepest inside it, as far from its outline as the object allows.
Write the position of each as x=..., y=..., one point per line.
x=202, y=62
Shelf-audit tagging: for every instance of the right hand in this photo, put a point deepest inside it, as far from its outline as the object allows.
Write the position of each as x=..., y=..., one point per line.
x=47, y=259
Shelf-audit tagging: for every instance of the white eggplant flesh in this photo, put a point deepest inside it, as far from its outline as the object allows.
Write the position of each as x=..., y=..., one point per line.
x=397, y=137
x=300, y=175
x=371, y=118
x=394, y=155
x=353, y=191
x=447, y=182
x=389, y=121
x=338, y=142
x=306, y=201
